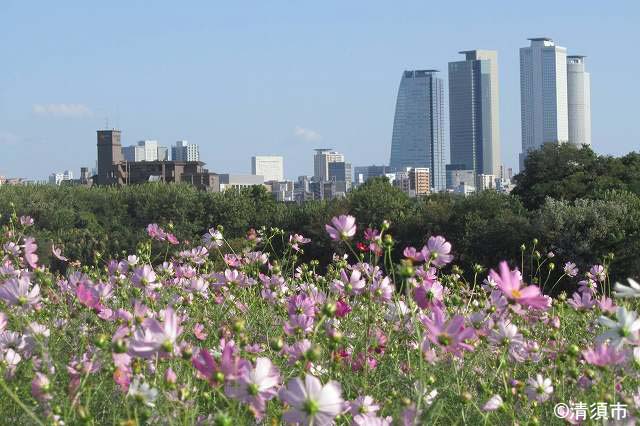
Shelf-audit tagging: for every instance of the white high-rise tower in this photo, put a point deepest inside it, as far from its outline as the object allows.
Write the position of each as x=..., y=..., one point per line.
x=579, y=101
x=543, y=95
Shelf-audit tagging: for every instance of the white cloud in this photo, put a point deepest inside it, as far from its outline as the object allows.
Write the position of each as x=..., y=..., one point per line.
x=306, y=134
x=62, y=110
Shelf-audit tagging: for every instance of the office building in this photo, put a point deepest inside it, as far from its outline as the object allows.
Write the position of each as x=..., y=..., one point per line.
x=62, y=177
x=147, y=150
x=321, y=160
x=543, y=95
x=185, y=151
x=457, y=174
x=414, y=181
x=579, y=101
x=282, y=191
x=474, y=111
x=270, y=167
x=364, y=173
x=340, y=172
x=418, y=126
x=237, y=182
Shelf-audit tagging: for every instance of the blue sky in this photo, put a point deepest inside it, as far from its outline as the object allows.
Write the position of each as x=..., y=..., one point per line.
x=277, y=77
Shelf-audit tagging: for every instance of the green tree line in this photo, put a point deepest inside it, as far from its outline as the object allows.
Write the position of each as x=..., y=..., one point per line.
x=578, y=205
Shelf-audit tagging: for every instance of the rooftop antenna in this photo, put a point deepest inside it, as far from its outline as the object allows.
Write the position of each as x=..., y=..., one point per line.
x=106, y=122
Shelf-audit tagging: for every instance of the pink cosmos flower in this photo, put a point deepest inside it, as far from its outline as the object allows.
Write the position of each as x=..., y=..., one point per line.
x=429, y=294
x=372, y=420
x=349, y=284
x=170, y=376
x=311, y=403
x=604, y=354
x=493, y=403
x=40, y=387
x=412, y=254
x=172, y=239
x=363, y=405
x=438, y=250
x=300, y=304
x=342, y=227
x=256, y=385
x=26, y=221
x=198, y=331
x=510, y=283
x=228, y=368
x=3, y=321
x=144, y=276
x=381, y=290
x=297, y=351
x=297, y=240
x=581, y=301
x=570, y=269
x=30, y=255
x=605, y=304
x=449, y=335
x=154, y=336
x=155, y=232
x=18, y=291
x=597, y=272
x=88, y=295
x=57, y=253
x=371, y=234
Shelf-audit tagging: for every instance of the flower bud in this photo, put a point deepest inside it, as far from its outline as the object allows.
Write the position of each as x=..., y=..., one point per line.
x=276, y=343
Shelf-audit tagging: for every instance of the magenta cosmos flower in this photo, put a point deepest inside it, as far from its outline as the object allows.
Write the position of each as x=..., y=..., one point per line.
x=449, y=335
x=256, y=386
x=227, y=368
x=310, y=402
x=342, y=227
x=510, y=283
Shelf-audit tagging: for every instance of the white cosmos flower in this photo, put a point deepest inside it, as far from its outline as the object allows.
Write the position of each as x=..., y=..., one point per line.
x=143, y=392
x=493, y=403
x=624, y=330
x=623, y=291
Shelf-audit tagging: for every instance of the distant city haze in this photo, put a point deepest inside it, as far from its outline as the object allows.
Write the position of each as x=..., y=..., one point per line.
x=281, y=78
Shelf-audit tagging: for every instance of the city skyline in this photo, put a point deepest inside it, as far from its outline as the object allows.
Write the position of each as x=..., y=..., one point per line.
x=276, y=93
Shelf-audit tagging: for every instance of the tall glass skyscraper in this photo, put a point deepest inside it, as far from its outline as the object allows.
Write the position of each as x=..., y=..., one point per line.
x=473, y=112
x=543, y=95
x=418, y=126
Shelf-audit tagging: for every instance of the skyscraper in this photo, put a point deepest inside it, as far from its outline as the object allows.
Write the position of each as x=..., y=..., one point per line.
x=321, y=160
x=579, y=101
x=473, y=112
x=270, y=167
x=185, y=151
x=340, y=171
x=543, y=95
x=418, y=126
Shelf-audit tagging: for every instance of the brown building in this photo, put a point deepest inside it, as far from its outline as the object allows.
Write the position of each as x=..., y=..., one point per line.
x=113, y=170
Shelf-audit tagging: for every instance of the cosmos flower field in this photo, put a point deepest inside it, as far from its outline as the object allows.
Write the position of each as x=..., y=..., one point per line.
x=201, y=333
